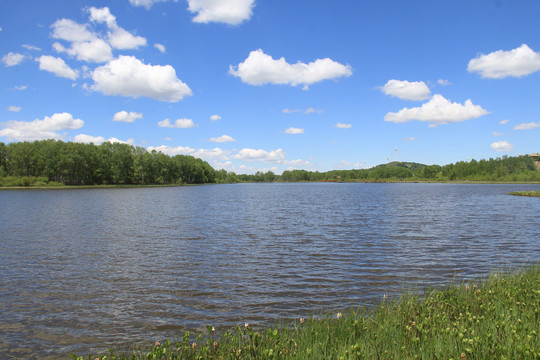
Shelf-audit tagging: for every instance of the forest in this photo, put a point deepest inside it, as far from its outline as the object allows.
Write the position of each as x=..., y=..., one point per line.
x=58, y=163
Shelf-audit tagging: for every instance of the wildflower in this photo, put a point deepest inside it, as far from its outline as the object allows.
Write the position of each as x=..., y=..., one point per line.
x=414, y=323
x=385, y=296
x=246, y=325
x=467, y=287
x=157, y=343
x=213, y=329
x=463, y=356
x=215, y=344
x=339, y=315
x=302, y=320
x=194, y=346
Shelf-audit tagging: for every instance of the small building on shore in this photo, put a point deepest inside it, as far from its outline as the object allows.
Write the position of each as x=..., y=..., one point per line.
x=536, y=157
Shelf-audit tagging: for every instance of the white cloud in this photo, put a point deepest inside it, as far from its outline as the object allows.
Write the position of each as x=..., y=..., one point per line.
x=412, y=138
x=503, y=122
x=179, y=123
x=57, y=66
x=260, y=69
x=215, y=117
x=21, y=88
x=527, y=126
x=211, y=154
x=96, y=140
x=500, y=64
x=438, y=111
x=128, y=76
x=160, y=47
x=12, y=59
x=293, y=130
x=502, y=146
x=71, y=31
x=306, y=111
x=172, y=151
x=274, y=156
x=444, y=82
x=405, y=90
x=497, y=133
x=146, y=3
x=222, y=139
x=123, y=39
x=128, y=117
x=31, y=47
x=102, y=15
x=40, y=129
x=343, y=126
x=14, y=108
x=232, y=12
x=96, y=50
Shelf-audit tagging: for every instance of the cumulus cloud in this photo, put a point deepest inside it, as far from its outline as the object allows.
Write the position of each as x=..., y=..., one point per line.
x=172, y=151
x=222, y=139
x=21, y=87
x=215, y=117
x=14, y=108
x=232, y=12
x=40, y=129
x=128, y=76
x=179, y=123
x=274, y=156
x=89, y=46
x=502, y=146
x=438, y=111
x=497, y=133
x=527, y=126
x=211, y=154
x=160, y=47
x=97, y=50
x=12, y=59
x=343, y=126
x=503, y=122
x=293, y=130
x=96, y=140
x=260, y=69
x=128, y=117
x=405, y=90
x=500, y=64
x=57, y=66
x=122, y=39
x=71, y=31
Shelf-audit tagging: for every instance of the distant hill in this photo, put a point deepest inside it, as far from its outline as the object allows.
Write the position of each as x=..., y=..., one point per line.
x=407, y=165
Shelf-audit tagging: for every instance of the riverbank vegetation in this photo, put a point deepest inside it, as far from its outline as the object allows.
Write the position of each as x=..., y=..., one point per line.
x=493, y=319
x=55, y=163
x=526, y=193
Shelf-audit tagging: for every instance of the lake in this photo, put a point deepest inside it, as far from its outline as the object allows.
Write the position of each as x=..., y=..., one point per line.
x=84, y=269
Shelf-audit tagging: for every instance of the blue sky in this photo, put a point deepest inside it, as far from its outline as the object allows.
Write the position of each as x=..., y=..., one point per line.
x=258, y=85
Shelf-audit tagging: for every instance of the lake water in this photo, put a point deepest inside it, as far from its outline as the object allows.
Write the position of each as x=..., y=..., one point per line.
x=84, y=269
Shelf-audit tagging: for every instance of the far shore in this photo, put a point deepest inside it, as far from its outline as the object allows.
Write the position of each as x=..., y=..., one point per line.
x=390, y=181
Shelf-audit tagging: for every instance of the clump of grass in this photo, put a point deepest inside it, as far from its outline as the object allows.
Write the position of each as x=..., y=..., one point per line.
x=495, y=319
x=526, y=193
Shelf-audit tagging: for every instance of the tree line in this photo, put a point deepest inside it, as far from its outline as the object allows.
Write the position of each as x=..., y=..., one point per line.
x=52, y=162
x=69, y=163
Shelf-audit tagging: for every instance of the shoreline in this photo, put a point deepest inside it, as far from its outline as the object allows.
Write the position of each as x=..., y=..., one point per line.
x=127, y=186
x=494, y=317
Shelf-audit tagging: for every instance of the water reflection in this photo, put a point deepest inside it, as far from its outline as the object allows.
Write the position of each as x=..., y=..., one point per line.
x=120, y=265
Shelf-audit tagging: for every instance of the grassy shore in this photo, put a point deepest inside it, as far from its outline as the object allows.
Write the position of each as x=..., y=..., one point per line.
x=497, y=318
x=526, y=193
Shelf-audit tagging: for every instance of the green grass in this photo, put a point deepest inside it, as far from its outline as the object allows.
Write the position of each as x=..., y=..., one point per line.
x=526, y=193
x=494, y=319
